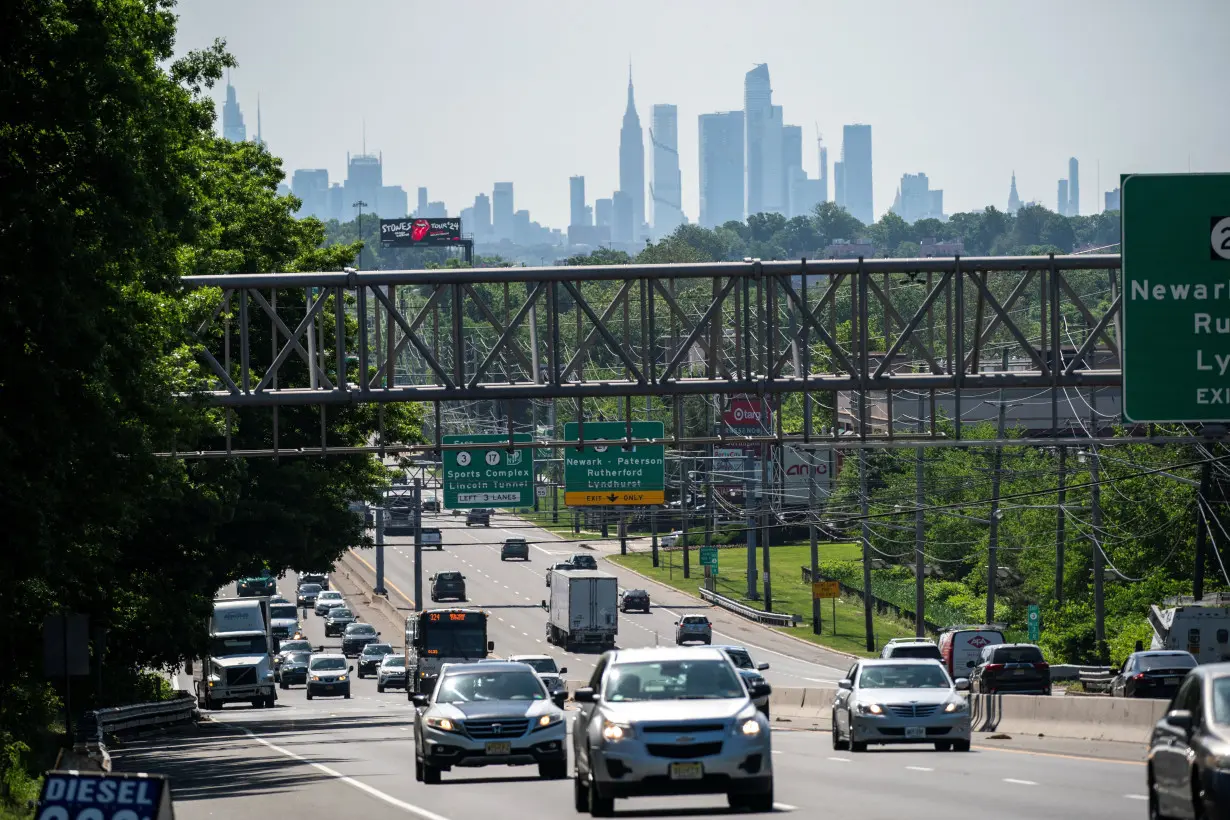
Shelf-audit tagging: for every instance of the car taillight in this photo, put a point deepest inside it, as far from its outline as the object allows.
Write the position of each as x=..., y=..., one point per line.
x=994, y=667
x=1138, y=676
x=1042, y=665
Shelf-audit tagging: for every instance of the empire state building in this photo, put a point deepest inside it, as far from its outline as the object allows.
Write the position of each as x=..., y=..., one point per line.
x=632, y=163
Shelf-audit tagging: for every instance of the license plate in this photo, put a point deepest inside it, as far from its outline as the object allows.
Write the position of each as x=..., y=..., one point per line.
x=915, y=731
x=687, y=771
x=499, y=748
x=1018, y=671
x=1170, y=681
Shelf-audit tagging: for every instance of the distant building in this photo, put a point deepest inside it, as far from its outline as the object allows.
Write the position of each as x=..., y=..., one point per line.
x=843, y=249
x=311, y=186
x=576, y=201
x=792, y=164
x=364, y=180
x=233, y=128
x=283, y=189
x=604, y=212
x=666, y=187
x=1074, y=188
x=1112, y=200
x=502, y=211
x=930, y=247
x=916, y=200
x=805, y=194
x=721, y=168
x=764, y=175
x=622, y=217
x=632, y=160
x=436, y=210
x=467, y=220
x=421, y=207
x=521, y=228
x=824, y=169
x=589, y=235
x=393, y=203
x=481, y=226
x=1062, y=198
x=1014, y=200
x=856, y=169
x=839, y=184
x=338, y=209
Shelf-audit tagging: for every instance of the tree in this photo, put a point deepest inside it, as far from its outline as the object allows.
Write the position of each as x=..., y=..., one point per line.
x=834, y=222
x=890, y=232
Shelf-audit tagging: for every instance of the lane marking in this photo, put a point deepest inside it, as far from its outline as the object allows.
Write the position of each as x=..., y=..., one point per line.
x=920, y=768
x=840, y=759
x=349, y=781
x=1136, y=796
x=1061, y=756
x=785, y=807
x=1019, y=782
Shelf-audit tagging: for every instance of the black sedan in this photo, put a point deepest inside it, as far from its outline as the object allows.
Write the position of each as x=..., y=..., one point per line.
x=1152, y=674
x=356, y=637
x=371, y=657
x=1184, y=772
x=293, y=669
x=637, y=599
x=337, y=620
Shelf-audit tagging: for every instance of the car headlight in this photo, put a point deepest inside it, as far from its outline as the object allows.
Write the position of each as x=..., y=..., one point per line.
x=750, y=728
x=443, y=724
x=870, y=709
x=547, y=721
x=315, y=677
x=341, y=678
x=268, y=674
x=615, y=732
x=956, y=706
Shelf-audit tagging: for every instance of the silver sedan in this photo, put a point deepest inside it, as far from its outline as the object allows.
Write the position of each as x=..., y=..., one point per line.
x=900, y=701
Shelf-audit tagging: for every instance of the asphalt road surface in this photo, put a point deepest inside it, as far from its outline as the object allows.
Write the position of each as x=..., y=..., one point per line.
x=334, y=757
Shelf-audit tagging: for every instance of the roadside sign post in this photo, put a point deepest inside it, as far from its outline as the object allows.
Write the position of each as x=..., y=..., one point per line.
x=830, y=590
x=613, y=475
x=489, y=475
x=709, y=557
x=1176, y=267
x=1035, y=623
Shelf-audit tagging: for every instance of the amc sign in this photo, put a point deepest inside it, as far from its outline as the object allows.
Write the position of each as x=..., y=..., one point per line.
x=800, y=466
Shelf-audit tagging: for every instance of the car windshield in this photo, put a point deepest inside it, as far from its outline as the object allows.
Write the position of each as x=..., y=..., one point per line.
x=541, y=664
x=394, y=660
x=926, y=651
x=298, y=657
x=636, y=593
x=904, y=676
x=448, y=576
x=467, y=687
x=1178, y=660
x=515, y=542
x=695, y=620
x=328, y=664
x=340, y=613
x=309, y=588
x=361, y=629
x=283, y=611
x=1017, y=654
x=330, y=596
x=740, y=658
x=377, y=649
x=250, y=645
x=672, y=680
x=295, y=646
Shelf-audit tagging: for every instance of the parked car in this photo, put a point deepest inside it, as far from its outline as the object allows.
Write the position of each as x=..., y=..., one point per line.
x=961, y=646
x=450, y=585
x=392, y=673
x=479, y=517
x=900, y=701
x=337, y=620
x=327, y=600
x=1184, y=771
x=693, y=629
x=911, y=648
x=1011, y=668
x=637, y=599
x=1152, y=674
x=664, y=721
x=559, y=566
x=328, y=675
x=582, y=560
x=749, y=671
x=515, y=548
x=371, y=657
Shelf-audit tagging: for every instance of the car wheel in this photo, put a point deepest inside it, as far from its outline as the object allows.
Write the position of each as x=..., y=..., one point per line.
x=600, y=806
x=271, y=702
x=1155, y=813
x=760, y=803
x=283, y=684
x=858, y=745
x=347, y=695
x=418, y=769
x=380, y=687
x=580, y=794
x=431, y=774
x=943, y=745
x=309, y=694
x=961, y=745
x=259, y=703
x=361, y=675
x=767, y=716
x=553, y=770
x=839, y=745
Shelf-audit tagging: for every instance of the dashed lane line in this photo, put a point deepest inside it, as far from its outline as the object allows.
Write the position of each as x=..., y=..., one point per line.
x=1014, y=781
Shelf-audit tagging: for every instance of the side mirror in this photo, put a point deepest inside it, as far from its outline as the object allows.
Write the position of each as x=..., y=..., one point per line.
x=543, y=604
x=970, y=664
x=961, y=684
x=490, y=646
x=560, y=698
x=350, y=668
x=760, y=690
x=760, y=667
x=585, y=694
x=563, y=670
x=377, y=634
x=845, y=684
x=419, y=701
x=676, y=623
x=1180, y=719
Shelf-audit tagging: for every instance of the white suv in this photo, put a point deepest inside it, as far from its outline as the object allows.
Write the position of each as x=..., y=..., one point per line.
x=911, y=648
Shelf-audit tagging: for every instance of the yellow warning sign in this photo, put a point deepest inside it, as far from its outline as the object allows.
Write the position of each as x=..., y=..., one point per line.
x=826, y=589
x=609, y=498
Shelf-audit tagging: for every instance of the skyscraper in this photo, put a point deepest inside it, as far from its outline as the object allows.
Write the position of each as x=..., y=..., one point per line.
x=824, y=169
x=666, y=189
x=621, y=217
x=917, y=200
x=632, y=162
x=757, y=121
x=1062, y=198
x=1074, y=187
x=576, y=201
x=721, y=168
x=421, y=208
x=260, y=137
x=1014, y=200
x=482, y=218
x=392, y=202
x=502, y=211
x=233, y=128
x=604, y=213
x=839, y=184
x=364, y=179
x=856, y=170
x=311, y=186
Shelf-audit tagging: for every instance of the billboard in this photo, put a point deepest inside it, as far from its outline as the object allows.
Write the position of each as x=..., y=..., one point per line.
x=749, y=416
x=419, y=233
x=799, y=465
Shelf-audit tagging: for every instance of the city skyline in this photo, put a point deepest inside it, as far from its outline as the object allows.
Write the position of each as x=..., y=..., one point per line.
x=915, y=126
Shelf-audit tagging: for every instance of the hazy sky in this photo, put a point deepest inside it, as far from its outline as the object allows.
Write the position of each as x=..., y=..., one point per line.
x=460, y=94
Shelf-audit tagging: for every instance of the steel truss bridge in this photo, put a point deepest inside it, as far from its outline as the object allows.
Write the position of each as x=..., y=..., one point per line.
x=852, y=332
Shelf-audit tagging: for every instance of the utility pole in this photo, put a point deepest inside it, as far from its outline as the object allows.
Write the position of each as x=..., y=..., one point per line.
x=868, y=621
x=380, y=590
x=993, y=550
x=811, y=527
x=1095, y=497
x=1202, y=530
x=765, y=512
x=1060, y=521
x=683, y=509
x=920, y=592
x=623, y=534
x=418, y=545
x=749, y=494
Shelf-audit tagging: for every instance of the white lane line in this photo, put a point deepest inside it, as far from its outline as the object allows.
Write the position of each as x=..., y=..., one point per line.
x=785, y=807
x=1019, y=782
x=920, y=768
x=840, y=759
x=1136, y=796
x=349, y=781
x=778, y=752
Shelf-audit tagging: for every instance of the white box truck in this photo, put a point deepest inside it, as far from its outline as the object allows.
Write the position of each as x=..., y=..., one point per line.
x=239, y=664
x=583, y=609
x=1199, y=627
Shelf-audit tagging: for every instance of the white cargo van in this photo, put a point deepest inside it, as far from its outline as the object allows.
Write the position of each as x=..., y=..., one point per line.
x=961, y=646
x=1199, y=627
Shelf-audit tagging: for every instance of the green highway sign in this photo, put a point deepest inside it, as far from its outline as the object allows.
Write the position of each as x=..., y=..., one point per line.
x=1035, y=623
x=708, y=556
x=1176, y=297
x=488, y=475
x=610, y=474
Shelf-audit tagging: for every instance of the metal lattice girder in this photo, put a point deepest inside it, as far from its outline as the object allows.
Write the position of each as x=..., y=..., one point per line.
x=633, y=330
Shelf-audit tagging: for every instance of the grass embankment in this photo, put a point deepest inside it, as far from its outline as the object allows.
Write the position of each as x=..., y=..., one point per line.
x=790, y=594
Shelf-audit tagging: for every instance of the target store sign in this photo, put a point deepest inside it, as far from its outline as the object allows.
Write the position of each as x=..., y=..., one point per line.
x=748, y=413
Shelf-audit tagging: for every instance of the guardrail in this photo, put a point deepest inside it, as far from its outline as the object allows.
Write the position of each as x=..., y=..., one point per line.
x=771, y=618
x=1096, y=678
x=89, y=750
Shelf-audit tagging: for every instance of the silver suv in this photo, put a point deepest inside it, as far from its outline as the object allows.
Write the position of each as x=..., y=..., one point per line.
x=667, y=721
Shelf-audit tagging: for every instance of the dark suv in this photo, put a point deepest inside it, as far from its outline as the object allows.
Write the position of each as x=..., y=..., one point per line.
x=357, y=636
x=399, y=517
x=515, y=548
x=482, y=517
x=448, y=586
x=581, y=560
x=637, y=599
x=1011, y=667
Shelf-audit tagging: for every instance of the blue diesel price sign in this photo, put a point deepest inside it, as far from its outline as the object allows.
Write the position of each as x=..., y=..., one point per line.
x=104, y=796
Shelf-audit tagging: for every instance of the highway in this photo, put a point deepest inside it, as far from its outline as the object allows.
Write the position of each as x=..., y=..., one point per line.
x=330, y=756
